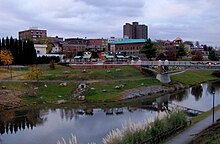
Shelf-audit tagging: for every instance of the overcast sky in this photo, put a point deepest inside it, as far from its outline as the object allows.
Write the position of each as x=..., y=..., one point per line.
x=167, y=19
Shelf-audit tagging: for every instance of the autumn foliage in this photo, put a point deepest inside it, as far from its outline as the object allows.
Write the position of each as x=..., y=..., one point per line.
x=34, y=73
x=6, y=57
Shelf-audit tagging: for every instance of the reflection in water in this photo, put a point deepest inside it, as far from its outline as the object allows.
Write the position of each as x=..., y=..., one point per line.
x=19, y=120
x=180, y=96
x=48, y=125
x=197, y=92
x=27, y=119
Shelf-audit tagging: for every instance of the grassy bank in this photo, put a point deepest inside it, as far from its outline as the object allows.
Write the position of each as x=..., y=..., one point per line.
x=190, y=78
x=106, y=91
x=102, y=90
x=67, y=73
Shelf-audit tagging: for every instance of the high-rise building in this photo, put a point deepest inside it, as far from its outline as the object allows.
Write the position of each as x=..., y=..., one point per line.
x=33, y=34
x=135, y=31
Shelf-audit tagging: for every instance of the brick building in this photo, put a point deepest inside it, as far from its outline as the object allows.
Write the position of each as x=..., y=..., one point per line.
x=135, y=31
x=128, y=47
x=72, y=46
x=97, y=45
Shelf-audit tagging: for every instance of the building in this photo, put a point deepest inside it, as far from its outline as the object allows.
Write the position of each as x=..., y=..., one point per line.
x=167, y=48
x=41, y=49
x=34, y=34
x=100, y=45
x=127, y=47
x=55, y=44
x=135, y=31
x=114, y=39
x=72, y=46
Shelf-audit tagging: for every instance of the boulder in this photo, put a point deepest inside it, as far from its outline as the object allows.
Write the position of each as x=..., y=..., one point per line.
x=3, y=87
x=81, y=98
x=117, y=87
x=35, y=88
x=61, y=101
x=64, y=84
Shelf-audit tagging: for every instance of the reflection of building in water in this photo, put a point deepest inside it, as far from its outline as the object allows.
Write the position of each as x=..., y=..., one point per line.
x=15, y=121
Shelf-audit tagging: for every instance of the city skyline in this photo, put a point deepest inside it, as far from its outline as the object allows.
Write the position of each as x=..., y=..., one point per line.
x=167, y=19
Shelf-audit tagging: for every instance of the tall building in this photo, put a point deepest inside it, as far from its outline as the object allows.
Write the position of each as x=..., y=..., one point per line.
x=34, y=34
x=135, y=31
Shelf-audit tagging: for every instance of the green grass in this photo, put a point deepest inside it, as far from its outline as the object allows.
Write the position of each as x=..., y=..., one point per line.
x=213, y=138
x=113, y=94
x=51, y=93
x=190, y=78
x=67, y=73
x=203, y=115
x=48, y=95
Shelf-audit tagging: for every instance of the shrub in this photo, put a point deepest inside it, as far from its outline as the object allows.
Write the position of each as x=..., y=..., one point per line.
x=216, y=73
x=132, y=133
x=52, y=64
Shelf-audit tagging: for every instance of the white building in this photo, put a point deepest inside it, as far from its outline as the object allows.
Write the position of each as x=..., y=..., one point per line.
x=41, y=49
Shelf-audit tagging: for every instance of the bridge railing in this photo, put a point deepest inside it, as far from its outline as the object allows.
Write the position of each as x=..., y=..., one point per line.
x=179, y=63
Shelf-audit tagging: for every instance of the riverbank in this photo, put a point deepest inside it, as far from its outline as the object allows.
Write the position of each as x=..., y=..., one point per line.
x=102, y=86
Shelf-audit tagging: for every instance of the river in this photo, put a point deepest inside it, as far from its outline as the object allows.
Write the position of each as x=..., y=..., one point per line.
x=47, y=126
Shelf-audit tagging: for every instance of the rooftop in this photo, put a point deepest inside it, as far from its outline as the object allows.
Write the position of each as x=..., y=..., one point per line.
x=130, y=41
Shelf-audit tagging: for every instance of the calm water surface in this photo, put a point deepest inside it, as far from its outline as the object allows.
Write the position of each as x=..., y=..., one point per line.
x=47, y=126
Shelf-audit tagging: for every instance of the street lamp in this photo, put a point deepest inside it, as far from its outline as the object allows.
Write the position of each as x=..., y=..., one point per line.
x=213, y=109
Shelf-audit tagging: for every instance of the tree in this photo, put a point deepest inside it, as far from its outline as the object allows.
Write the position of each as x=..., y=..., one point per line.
x=148, y=49
x=181, y=51
x=213, y=56
x=205, y=48
x=198, y=56
x=34, y=73
x=6, y=58
x=161, y=56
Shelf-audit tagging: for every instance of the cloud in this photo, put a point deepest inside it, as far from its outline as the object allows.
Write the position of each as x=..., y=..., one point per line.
x=167, y=19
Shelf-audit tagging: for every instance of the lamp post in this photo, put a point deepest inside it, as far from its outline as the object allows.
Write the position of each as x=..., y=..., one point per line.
x=213, y=109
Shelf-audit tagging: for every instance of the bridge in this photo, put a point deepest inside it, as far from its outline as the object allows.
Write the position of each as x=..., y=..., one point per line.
x=164, y=68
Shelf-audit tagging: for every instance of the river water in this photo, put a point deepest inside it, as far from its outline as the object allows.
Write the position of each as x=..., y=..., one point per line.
x=47, y=126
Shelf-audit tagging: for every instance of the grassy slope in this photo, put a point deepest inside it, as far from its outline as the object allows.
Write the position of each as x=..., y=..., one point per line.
x=66, y=73
x=190, y=78
x=113, y=94
x=53, y=91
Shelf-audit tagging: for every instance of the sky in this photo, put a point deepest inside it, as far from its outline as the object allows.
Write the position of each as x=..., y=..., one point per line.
x=194, y=20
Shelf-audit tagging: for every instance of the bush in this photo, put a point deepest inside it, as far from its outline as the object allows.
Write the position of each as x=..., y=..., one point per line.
x=52, y=64
x=47, y=60
x=216, y=73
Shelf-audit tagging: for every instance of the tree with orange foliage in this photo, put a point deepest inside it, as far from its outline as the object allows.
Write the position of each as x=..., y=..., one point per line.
x=6, y=58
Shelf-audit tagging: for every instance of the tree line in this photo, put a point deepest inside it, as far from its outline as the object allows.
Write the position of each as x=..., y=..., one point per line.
x=23, y=52
x=154, y=50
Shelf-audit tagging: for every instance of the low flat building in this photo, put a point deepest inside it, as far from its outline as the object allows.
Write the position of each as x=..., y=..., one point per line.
x=128, y=47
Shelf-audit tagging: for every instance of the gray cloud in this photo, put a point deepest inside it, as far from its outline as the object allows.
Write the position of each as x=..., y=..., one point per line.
x=168, y=19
